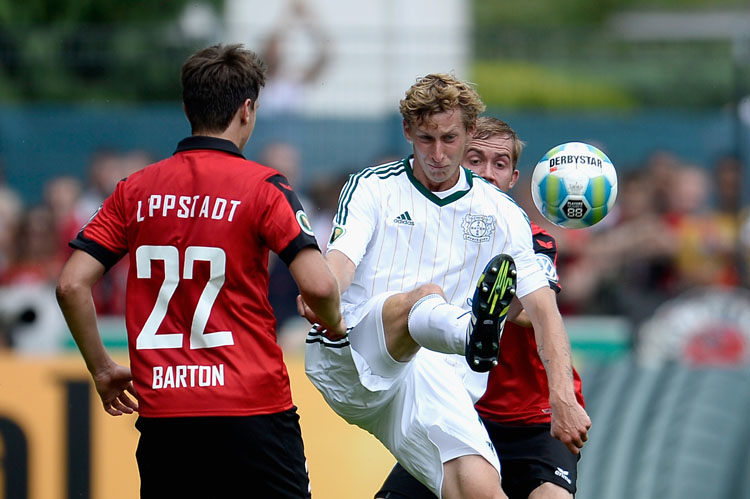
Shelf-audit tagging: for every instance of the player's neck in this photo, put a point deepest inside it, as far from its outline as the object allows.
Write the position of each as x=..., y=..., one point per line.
x=240, y=128
x=435, y=186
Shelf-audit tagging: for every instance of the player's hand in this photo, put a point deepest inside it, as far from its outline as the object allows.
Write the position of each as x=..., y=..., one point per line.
x=305, y=311
x=570, y=424
x=113, y=385
x=332, y=332
x=336, y=332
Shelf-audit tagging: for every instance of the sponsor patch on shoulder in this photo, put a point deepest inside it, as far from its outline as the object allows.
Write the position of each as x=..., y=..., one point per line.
x=550, y=271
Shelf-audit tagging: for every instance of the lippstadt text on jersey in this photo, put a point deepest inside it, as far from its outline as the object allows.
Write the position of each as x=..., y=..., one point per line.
x=159, y=205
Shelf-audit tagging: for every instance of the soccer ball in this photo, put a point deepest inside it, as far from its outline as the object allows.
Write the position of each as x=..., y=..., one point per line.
x=574, y=185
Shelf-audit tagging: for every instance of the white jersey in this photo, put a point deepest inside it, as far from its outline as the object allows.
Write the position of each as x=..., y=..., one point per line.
x=400, y=235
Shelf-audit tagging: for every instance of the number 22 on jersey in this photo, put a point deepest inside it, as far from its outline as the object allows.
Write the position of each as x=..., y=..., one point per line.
x=199, y=338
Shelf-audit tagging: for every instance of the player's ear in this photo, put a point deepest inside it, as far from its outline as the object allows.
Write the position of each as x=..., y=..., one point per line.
x=513, y=178
x=249, y=107
x=407, y=130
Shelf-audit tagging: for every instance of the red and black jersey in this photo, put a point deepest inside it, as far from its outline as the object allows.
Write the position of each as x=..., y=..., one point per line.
x=198, y=227
x=517, y=389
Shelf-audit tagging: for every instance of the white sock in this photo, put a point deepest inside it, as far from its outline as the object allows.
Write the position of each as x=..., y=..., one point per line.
x=437, y=325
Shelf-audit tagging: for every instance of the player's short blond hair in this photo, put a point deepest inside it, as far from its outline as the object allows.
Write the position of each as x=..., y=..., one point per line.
x=436, y=93
x=491, y=127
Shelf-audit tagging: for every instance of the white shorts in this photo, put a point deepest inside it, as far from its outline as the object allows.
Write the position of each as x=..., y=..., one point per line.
x=420, y=410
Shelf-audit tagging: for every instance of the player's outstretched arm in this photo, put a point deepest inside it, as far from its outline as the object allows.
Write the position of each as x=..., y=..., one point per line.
x=112, y=380
x=320, y=300
x=570, y=423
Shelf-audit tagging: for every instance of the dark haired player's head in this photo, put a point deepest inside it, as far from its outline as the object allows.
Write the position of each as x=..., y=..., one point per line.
x=216, y=82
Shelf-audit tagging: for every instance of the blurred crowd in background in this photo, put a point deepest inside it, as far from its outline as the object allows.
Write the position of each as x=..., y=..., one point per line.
x=679, y=223
x=89, y=94
x=676, y=226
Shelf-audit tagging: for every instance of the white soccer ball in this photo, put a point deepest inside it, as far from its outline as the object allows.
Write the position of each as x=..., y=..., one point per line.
x=574, y=185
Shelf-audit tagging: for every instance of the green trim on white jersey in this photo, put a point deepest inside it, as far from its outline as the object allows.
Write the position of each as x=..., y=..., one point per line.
x=388, y=170
x=381, y=171
x=431, y=195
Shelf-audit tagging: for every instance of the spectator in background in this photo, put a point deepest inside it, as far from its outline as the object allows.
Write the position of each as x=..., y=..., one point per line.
x=728, y=179
x=30, y=321
x=133, y=161
x=104, y=171
x=11, y=213
x=11, y=209
x=660, y=167
x=29, y=318
x=284, y=157
x=35, y=258
x=62, y=195
x=706, y=240
x=731, y=211
x=744, y=246
x=288, y=76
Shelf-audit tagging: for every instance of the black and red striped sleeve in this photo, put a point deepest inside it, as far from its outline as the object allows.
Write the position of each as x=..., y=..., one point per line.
x=284, y=225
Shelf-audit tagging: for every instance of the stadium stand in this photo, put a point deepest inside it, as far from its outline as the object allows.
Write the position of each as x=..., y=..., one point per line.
x=666, y=432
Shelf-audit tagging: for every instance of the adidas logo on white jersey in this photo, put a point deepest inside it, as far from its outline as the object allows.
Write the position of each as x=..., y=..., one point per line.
x=404, y=218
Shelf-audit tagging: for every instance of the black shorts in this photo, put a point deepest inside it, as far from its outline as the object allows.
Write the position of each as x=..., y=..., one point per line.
x=529, y=456
x=222, y=457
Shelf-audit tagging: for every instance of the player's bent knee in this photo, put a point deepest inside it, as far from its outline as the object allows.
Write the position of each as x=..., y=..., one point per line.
x=425, y=290
x=396, y=307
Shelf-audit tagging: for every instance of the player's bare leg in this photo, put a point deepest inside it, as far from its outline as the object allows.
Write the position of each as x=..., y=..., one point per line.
x=549, y=490
x=396, y=308
x=472, y=477
x=423, y=317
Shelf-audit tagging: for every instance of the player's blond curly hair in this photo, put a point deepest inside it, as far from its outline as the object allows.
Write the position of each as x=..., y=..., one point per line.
x=437, y=93
x=488, y=127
